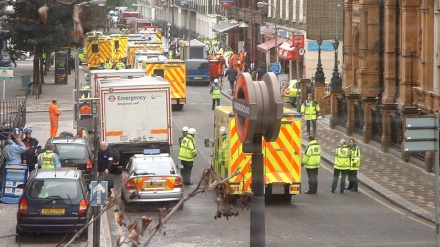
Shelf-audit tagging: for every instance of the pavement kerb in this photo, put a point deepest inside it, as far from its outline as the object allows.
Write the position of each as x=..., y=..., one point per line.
x=377, y=188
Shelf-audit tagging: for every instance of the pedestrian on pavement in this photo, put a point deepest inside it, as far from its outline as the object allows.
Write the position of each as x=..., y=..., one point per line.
x=310, y=110
x=12, y=55
x=215, y=93
x=54, y=116
x=355, y=163
x=184, y=133
x=85, y=109
x=232, y=74
x=49, y=159
x=187, y=154
x=341, y=166
x=260, y=72
x=105, y=158
x=311, y=160
x=14, y=149
x=30, y=157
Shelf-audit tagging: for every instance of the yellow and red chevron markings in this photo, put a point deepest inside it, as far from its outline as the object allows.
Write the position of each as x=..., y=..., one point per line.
x=281, y=165
x=174, y=73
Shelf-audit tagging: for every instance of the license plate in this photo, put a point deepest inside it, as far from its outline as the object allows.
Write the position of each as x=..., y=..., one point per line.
x=197, y=77
x=70, y=167
x=149, y=185
x=277, y=189
x=53, y=211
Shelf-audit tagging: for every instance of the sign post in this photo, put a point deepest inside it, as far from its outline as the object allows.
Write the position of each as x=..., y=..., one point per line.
x=422, y=134
x=7, y=74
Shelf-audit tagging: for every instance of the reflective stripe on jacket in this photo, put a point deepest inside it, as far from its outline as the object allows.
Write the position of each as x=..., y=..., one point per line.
x=342, y=158
x=312, y=157
x=47, y=160
x=310, y=109
x=187, y=150
x=355, y=153
x=215, y=91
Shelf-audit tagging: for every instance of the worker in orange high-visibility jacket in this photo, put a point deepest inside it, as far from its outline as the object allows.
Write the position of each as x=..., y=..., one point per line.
x=54, y=116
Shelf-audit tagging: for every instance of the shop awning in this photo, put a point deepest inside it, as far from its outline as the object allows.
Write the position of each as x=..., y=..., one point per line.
x=224, y=26
x=264, y=47
x=287, y=51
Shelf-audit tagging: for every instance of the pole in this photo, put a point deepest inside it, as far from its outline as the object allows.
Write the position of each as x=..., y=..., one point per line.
x=257, y=221
x=76, y=77
x=4, y=88
x=189, y=30
x=436, y=171
x=276, y=33
x=96, y=209
x=299, y=101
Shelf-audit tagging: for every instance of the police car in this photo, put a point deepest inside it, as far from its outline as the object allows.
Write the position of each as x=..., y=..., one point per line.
x=151, y=177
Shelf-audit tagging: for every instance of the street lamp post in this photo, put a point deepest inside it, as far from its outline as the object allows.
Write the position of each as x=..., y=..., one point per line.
x=262, y=4
x=95, y=209
x=189, y=26
x=319, y=74
x=94, y=2
x=336, y=81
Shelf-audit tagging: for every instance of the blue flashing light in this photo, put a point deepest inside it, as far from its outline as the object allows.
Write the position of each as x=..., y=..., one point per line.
x=150, y=151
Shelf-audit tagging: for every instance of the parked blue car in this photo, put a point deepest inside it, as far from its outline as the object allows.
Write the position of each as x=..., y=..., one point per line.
x=197, y=70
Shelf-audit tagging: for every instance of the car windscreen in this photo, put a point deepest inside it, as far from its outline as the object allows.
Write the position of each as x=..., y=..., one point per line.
x=54, y=188
x=71, y=151
x=153, y=168
x=197, y=65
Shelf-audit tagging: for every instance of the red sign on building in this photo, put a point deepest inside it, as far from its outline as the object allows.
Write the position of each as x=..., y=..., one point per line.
x=226, y=3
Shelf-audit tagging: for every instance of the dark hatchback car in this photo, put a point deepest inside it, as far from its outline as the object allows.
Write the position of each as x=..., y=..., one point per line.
x=74, y=153
x=53, y=201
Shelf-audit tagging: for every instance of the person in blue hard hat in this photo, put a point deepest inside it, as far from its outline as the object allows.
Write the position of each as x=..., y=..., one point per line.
x=30, y=157
x=14, y=149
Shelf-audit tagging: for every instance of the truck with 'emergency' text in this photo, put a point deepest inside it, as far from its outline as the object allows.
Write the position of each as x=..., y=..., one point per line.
x=135, y=114
x=98, y=74
x=281, y=159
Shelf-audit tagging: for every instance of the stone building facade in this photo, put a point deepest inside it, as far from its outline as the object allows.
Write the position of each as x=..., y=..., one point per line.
x=390, y=69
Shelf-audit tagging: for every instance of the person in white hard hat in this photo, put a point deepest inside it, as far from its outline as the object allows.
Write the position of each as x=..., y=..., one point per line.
x=187, y=153
x=184, y=133
x=215, y=92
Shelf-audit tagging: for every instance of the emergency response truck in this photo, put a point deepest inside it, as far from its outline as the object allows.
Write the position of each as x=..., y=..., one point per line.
x=99, y=74
x=135, y=114
x=281, y=159
x=174, y=72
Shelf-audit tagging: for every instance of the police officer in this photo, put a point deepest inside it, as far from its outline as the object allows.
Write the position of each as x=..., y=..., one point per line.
x=187, y=153
x=184, y=133
x=108, y=64
x=310, y=109
x=30, y=157
x=49, y=159
x=14, y=149
x=215, y=92
x=119, y=65
x=341, y=166
x=311, y=160
x=355, y=163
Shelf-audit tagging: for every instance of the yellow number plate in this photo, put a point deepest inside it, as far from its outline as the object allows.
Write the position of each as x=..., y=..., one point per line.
x=53, y=211
x=149, y=185
x=197, y=77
